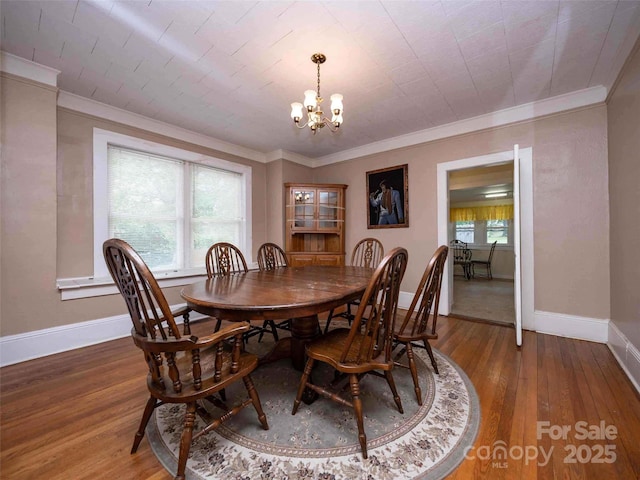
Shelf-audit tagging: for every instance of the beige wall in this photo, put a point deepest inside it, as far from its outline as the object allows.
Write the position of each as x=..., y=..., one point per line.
x=28, y=231
x=280, y=172
x=47, y=234
x=624, y=199
x=571, y=217
x=47, y=216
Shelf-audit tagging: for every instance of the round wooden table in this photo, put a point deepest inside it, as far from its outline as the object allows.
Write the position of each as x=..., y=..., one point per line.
x=299, y=293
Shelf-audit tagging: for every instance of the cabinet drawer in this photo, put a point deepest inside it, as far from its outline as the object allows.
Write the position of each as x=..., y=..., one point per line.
x=297, y=260
x=329, y=260
x=303, y=259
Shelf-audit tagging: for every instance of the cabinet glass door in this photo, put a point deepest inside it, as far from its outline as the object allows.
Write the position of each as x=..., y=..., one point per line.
x=328, y=204
x=304, y=206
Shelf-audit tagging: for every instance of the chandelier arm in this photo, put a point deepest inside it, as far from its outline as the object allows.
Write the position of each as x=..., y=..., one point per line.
x=329, y=124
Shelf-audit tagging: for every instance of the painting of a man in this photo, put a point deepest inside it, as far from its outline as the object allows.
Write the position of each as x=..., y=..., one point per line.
x=388, y=197
x=388, y=204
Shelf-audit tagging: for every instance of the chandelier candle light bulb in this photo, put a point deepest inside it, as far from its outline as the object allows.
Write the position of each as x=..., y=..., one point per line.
x=312, y=102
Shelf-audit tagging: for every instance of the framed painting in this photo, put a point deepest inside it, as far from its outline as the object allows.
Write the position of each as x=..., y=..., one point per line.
x=388, y=197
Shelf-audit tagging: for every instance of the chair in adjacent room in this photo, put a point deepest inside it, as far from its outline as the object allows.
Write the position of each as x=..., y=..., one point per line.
x=419, y=324
x=364, y=348
x=368, y=252
x=270, y=257
x=484, y=263
x=225, y=258
x=461, y=256
x=183, y=369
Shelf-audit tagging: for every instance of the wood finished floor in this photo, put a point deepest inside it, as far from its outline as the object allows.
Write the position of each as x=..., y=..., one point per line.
x=73, y=415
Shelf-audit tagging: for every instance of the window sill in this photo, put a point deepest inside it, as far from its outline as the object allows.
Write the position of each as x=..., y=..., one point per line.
x=87, y=287
x=487, y=247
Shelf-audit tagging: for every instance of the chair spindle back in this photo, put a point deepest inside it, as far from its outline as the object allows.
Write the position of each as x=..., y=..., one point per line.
x=379, y=304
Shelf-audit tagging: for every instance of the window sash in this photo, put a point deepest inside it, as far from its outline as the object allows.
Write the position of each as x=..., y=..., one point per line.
x=189, y=261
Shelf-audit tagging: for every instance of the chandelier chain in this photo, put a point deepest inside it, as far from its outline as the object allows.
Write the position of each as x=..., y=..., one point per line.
x=318, y=79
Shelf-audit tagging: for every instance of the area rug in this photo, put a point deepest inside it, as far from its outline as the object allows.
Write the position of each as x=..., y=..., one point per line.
x=321, y=440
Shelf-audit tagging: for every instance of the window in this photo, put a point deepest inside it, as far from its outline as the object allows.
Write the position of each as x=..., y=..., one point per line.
x=170, y=204
x=497, y=230
x=465, y=231
x=481, y=232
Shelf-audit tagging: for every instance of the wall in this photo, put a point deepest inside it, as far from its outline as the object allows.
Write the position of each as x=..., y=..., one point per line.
x=624, y=201
x=49, y=234
x=28, y=201
x=280, y=172
x=571, y=215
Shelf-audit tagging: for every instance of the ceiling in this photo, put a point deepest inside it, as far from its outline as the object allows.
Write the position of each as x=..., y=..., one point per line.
x=477, y=194
x=470, y=185
x=230, y=69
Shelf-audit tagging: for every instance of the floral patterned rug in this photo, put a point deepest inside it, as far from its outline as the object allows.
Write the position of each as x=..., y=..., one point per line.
x=321, y=440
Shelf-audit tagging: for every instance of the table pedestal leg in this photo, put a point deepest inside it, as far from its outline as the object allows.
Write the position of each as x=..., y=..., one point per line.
x=303, y=330
x=282, y=349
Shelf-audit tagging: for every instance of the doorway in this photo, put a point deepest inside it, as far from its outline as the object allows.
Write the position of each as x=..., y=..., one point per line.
x=481, y=213
x=525, y=288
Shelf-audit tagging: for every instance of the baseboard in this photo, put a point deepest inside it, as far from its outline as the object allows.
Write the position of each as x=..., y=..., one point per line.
x=571, y=326
x=404, y=300
x=626, y=353
x=27, y=346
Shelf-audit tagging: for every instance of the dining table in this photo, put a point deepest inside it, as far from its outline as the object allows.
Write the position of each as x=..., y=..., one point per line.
x=296, y=293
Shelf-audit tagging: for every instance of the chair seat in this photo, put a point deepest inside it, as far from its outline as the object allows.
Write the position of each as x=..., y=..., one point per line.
x=329, y=348
x=407, y=337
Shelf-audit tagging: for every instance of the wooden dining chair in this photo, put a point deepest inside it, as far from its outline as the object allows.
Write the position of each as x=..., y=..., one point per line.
x=270, y=257
x=485, y=263
x=368, y=252
x=183, y=369
x=365, y=347
x=419, y=324
x=461, y=256
x=223, y=259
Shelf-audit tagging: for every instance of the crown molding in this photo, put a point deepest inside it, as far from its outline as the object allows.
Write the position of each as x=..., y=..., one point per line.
x=528, y=111
x=24, y=68
x=290, y=156
x=33, y=71
x=108, y=112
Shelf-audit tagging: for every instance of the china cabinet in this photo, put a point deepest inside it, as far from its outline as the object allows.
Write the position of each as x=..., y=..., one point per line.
x=315, y=223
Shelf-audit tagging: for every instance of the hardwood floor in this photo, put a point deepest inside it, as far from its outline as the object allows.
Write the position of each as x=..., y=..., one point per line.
x=74, y=415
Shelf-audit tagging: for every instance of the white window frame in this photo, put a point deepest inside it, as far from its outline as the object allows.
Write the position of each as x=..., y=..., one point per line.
x=102, y=139
x=480, y=236
x=101, y=283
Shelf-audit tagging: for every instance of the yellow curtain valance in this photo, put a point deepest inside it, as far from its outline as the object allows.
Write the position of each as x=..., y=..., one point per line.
x=471, y=214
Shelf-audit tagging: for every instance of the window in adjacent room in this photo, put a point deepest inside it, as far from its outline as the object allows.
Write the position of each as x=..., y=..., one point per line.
x=497, y=230
x=465, y=231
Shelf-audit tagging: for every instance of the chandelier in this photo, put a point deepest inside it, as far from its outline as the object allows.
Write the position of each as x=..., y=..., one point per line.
x=312, y=103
